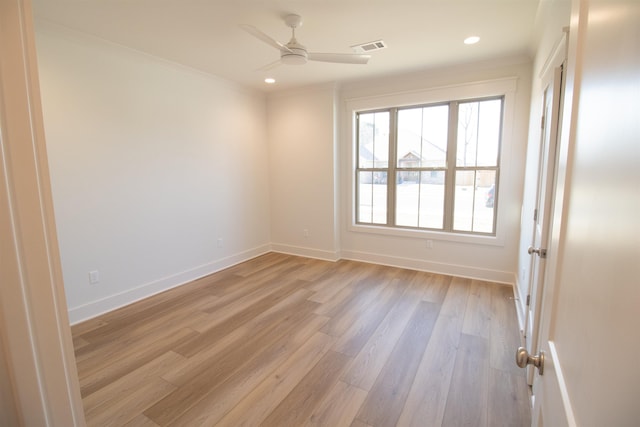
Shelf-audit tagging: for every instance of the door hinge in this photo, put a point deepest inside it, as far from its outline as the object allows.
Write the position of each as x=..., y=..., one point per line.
x=535, y=214
x=542, y=122
x=528, y=300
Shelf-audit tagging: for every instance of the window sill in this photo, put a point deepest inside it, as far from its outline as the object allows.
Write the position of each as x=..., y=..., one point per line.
x=496, y=240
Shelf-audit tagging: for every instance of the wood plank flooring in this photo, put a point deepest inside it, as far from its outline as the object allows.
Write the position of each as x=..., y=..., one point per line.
x=289, y=341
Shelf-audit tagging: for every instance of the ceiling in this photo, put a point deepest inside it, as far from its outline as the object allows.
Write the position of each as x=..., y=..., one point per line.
x=206, y=34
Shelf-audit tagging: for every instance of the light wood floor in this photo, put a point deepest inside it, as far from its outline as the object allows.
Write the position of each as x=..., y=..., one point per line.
x=289, y=341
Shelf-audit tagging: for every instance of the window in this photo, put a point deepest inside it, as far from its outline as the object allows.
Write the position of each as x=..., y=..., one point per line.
x=430, y=167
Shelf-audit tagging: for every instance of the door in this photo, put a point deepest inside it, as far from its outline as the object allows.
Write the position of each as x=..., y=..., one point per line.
x=589, y=332
x=551, y=405
x=552, y=91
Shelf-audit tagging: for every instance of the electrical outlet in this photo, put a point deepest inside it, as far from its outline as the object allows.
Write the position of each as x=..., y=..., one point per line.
x=94, y=277
x=305, y=233
x=220, y=242
x=429, y=244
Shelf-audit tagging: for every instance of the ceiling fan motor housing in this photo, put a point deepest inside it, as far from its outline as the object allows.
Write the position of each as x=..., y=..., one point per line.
x=293, y=20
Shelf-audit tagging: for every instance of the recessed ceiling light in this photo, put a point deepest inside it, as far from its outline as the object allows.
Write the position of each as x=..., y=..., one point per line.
x=472, y=40
x=270, y=80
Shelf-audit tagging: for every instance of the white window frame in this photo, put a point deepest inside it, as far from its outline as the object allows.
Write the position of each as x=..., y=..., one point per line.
x=505, y=87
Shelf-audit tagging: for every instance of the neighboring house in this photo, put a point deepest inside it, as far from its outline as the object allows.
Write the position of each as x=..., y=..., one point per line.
x=409, y=160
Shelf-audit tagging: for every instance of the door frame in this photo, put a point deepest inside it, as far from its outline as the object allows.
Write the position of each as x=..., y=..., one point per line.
x=34, y=324
x=552, y=368
x=551, y=74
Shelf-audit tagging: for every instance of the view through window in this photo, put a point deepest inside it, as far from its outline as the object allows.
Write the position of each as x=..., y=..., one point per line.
x=432, y=167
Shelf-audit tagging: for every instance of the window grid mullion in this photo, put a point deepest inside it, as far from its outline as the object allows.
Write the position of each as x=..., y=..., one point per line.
x=392, y=166
x=450, y=181
x=420, y=173
x=357, y=180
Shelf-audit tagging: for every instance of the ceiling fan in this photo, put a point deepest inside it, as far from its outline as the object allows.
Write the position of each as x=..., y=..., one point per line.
x=296, y=54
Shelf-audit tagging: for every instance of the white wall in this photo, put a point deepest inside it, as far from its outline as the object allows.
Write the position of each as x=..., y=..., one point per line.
x=492, y=261
x=552, y=17
x=151, y=163
x=302, y=150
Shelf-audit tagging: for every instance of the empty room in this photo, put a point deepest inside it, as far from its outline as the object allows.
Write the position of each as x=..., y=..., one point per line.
x=319, y=213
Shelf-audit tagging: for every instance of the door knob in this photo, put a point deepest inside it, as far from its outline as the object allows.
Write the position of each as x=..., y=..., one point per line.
x=523, y=358
x=541, y=252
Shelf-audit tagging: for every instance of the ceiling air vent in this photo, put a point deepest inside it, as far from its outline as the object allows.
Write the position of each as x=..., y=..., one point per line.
x=369, y=46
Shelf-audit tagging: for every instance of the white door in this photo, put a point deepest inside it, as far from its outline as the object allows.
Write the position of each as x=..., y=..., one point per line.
x=552, y=91
x=588, y=332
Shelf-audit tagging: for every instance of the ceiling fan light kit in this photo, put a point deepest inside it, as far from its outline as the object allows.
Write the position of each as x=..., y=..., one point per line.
x=296, y=57
x=293, y=53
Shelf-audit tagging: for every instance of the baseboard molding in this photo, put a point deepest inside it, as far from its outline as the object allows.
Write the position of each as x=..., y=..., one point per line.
x=112, y=302
x=498, y=276
x=521, y=306
x=95, y=308
x=305, y=252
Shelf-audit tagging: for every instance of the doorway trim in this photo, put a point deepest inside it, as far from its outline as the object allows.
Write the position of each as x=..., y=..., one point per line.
x=34, y=325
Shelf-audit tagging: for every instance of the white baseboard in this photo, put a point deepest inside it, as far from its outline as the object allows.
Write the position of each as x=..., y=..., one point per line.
x=95, y=308
x=521, y=305
x=498, y=276
x=305, y=252
x=112, y=302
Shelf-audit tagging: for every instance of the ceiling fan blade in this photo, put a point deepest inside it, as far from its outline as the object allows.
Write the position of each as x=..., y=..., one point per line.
x=343, y=58
x=265, y=38
x=270, y=66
